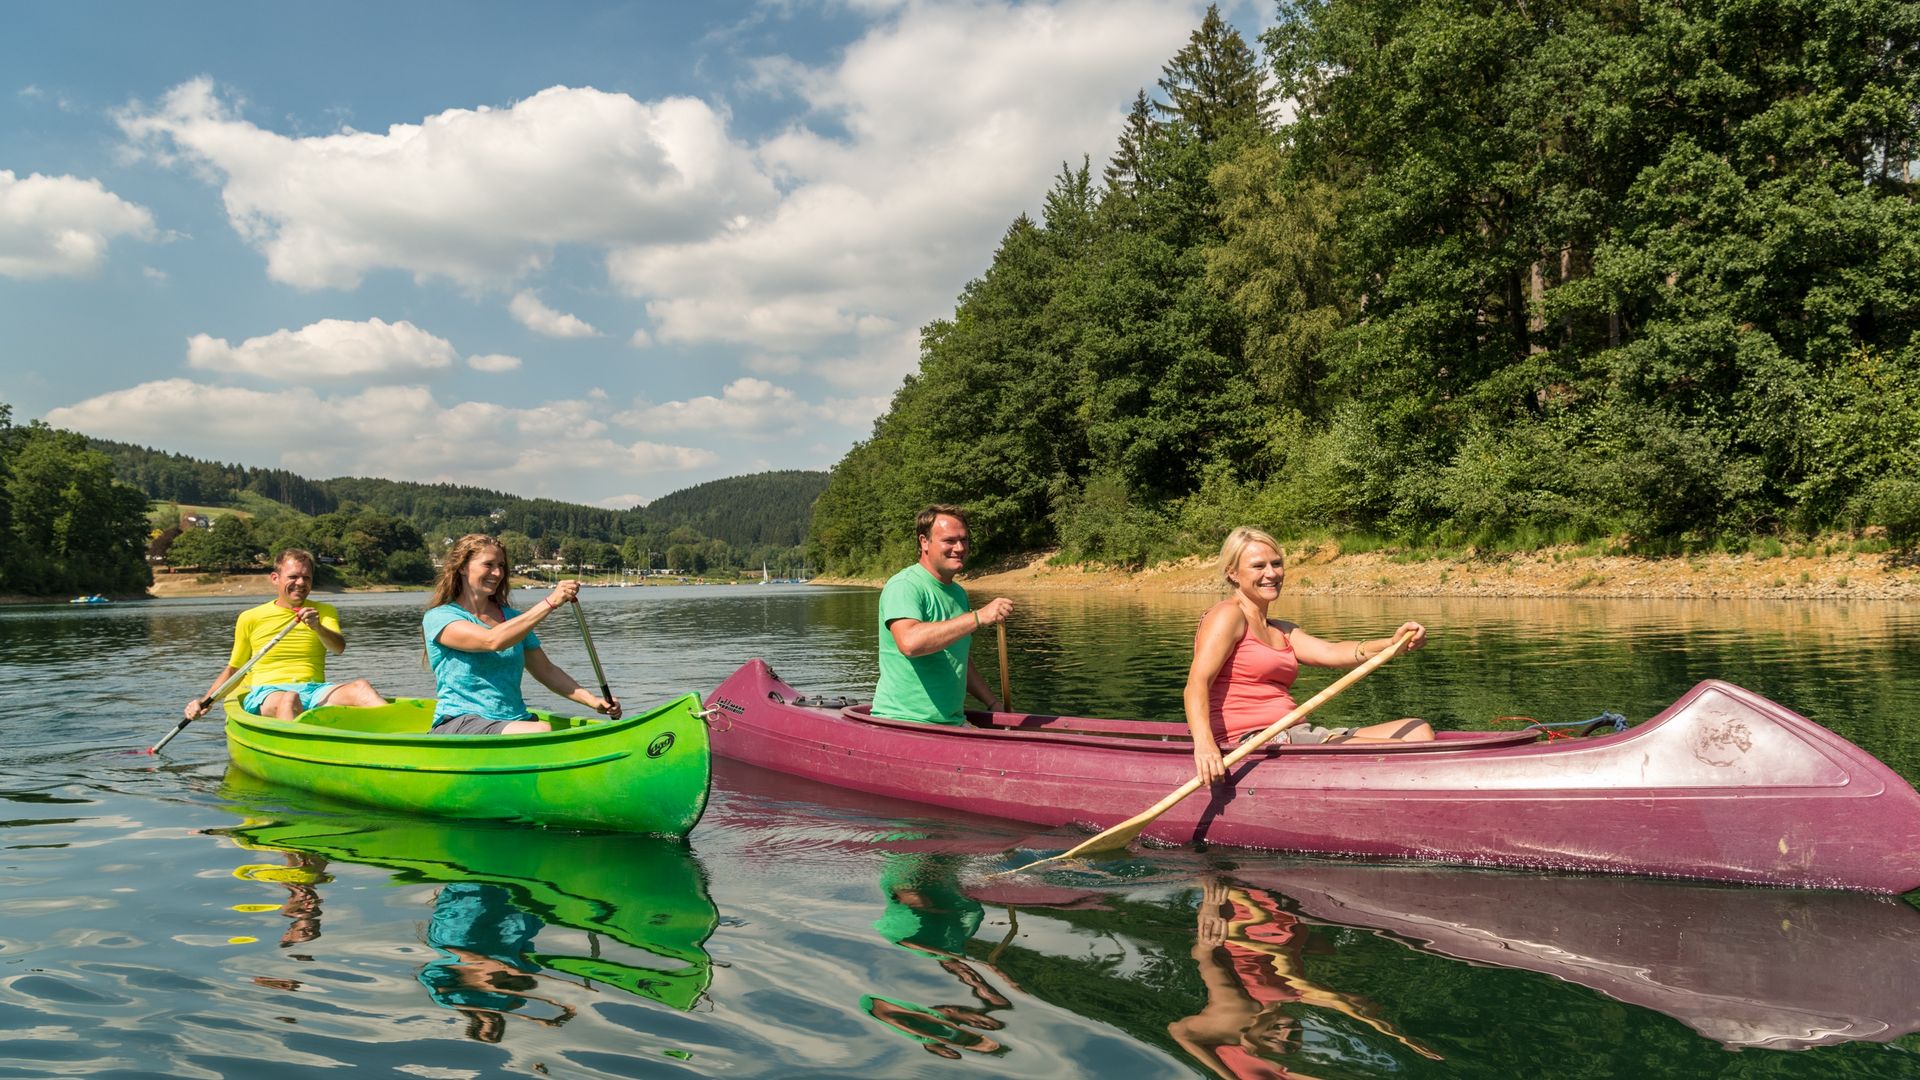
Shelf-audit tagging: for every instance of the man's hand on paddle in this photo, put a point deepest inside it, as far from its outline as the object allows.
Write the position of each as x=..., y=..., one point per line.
x=995, y=611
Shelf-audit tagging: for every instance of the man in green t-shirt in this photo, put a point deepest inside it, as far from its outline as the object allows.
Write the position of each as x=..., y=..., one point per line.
x=926, y=629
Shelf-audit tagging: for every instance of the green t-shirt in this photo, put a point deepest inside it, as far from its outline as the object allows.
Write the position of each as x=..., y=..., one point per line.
x=931, y=688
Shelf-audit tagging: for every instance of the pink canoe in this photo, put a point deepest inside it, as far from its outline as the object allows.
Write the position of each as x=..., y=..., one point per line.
x=1723, y=785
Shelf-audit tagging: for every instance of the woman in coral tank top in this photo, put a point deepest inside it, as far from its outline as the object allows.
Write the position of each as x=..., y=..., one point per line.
x=1244, y=663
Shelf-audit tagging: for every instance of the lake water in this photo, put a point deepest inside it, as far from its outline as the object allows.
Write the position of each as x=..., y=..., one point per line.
x=159, y=918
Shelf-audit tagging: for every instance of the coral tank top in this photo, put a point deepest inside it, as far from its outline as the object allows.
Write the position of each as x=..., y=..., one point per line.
x=1254, y=687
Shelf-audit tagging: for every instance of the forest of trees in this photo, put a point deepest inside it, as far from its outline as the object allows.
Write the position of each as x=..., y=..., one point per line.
x=66, y=524
x=1447, y=272
x=386, y=530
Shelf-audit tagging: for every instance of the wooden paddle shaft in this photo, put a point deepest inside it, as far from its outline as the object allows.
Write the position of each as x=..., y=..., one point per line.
x=1006, y=692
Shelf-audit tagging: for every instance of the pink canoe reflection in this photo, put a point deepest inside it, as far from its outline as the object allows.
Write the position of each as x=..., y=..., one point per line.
x=1774, y=968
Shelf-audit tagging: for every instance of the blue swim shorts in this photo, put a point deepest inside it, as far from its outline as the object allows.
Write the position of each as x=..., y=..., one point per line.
x=311, y=694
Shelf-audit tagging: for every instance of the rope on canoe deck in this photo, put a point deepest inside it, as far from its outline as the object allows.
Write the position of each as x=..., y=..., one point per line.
x=1587, y=727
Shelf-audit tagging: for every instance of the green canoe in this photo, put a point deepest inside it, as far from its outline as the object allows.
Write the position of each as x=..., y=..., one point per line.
x=643, y=773
x=646, y=893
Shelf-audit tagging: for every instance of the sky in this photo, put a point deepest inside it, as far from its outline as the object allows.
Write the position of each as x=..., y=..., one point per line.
x=588, y=251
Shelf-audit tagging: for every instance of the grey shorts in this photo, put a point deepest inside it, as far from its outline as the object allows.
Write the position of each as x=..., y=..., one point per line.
x=1309, y=734
x=471, y=724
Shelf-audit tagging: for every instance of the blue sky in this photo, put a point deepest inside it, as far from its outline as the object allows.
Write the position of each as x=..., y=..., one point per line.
x=590, y=251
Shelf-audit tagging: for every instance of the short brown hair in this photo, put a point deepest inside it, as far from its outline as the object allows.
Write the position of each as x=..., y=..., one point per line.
x=923, y=523
x=299, y=555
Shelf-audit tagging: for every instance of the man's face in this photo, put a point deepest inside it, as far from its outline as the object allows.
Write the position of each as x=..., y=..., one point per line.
x=944, y=548
x=294, y=579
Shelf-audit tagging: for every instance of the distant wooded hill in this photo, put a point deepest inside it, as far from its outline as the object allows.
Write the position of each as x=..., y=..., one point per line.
x=770, y=509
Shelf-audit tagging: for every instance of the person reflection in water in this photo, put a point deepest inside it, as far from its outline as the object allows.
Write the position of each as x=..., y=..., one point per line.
x=485, y=968
x=928, y=914
x=302, y=908
x=1248, y=951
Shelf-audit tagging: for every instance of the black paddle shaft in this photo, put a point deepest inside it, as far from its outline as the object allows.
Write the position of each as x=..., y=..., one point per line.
x=592, y=654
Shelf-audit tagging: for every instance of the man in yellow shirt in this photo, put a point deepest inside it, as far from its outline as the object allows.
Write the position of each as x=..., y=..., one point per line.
x=291, y=677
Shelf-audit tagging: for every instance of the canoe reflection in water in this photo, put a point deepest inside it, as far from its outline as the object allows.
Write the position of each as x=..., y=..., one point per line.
x=641, y=901
x=486, y=968
x=1781, y=969
x=1247, y=947
x=927, y=913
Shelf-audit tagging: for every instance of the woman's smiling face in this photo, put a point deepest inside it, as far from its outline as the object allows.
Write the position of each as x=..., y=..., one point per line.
x=1259, y=572
x=485, y=570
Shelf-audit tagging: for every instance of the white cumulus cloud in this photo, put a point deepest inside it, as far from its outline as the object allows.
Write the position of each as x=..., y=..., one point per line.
x=398, y=432
x=331, y=349
x=480, y=195
x=746, y=408
x=542, y=319
x=810, y=253
x=60, y=226
x=951, y=119
x=494, y=362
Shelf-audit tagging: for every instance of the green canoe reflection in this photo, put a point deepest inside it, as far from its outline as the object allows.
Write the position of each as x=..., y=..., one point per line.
x=645, y=892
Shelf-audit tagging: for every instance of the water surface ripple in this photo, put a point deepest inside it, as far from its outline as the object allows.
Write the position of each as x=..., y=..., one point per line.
x=159, y=917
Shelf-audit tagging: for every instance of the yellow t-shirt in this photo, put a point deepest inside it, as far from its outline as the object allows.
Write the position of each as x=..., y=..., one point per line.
x=301, y=657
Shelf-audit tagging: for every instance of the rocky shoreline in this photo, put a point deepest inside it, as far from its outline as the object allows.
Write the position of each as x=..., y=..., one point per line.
x=1325, y=570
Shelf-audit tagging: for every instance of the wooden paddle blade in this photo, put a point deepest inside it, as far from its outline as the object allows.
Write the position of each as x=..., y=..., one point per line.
x=1124, y=833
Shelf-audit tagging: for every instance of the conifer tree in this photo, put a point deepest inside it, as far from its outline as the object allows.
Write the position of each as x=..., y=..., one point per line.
x=1214, y=86
x=1126, y=172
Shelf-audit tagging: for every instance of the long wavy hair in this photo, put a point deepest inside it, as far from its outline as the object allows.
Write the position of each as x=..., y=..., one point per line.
x=453, y=573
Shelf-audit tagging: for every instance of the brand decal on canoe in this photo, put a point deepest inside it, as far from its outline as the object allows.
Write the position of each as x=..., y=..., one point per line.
x=733, y=707
x=1721, y=741
x=661, y=743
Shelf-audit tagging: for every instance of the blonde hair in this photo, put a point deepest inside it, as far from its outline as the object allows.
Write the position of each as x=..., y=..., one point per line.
x=1237, y=542
x=453, y=573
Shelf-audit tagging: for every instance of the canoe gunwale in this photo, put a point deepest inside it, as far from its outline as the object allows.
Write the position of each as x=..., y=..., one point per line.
x=1151, y=740
x=592, y=728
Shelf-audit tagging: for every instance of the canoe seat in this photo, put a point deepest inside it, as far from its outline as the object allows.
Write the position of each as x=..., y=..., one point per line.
x=405, y=716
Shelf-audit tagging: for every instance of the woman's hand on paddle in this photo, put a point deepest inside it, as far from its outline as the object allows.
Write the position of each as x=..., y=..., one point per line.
x=197, y=708
x=1419, y=634
x=608, y=707
x=563, y=593
x=1207, y=764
